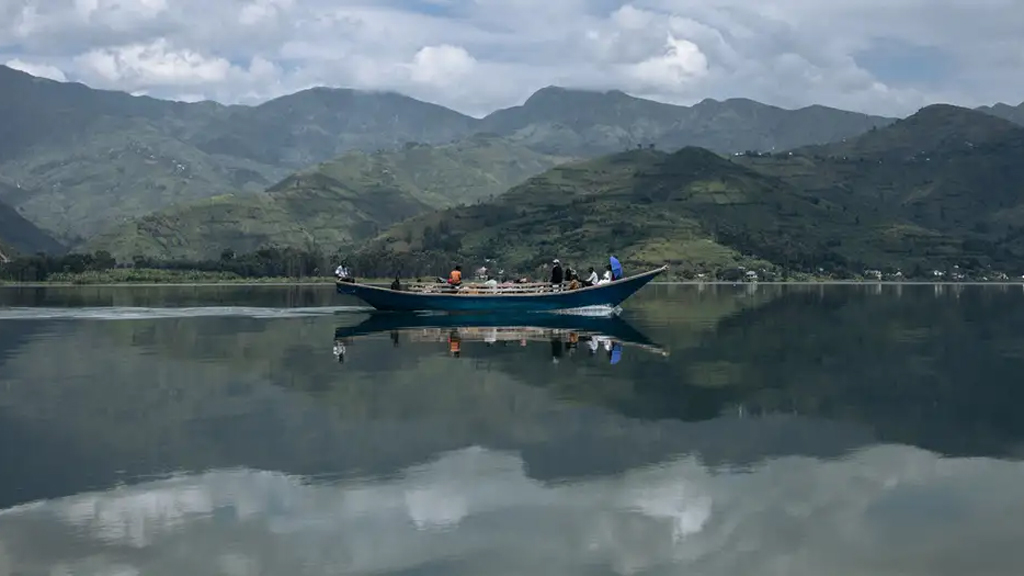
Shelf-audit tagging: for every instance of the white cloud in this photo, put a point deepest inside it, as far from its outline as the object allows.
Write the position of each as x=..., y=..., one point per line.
x=442, y=65
x=155, y=64
x=682, y=62
x=40, y=70
x=476, y=55
x=118, y=12
x=262, y=11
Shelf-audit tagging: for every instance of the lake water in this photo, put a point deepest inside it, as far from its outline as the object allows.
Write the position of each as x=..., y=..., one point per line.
x=720, y=431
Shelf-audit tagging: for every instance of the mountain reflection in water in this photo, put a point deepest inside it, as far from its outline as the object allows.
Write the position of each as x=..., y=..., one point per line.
x=797, y=431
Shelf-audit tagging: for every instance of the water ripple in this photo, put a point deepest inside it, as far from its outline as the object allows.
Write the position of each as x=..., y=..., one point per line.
x=150, y=313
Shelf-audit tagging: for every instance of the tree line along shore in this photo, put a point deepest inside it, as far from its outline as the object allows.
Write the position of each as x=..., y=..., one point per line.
x=290, y=265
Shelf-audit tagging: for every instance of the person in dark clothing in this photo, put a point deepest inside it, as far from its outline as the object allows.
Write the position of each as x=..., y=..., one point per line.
x=397, y=284
x=556, y=273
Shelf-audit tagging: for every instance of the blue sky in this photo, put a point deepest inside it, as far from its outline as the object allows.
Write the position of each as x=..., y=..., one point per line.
x=888, y=57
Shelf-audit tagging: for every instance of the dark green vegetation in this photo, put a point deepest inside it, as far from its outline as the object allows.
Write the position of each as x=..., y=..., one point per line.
x=583, y=123
x=84, y=158
x=1006, y=112
x=101, y=267
x=939, y=189
x=339, y=202
x=958, y=200
x=646, y=207
x=19, y=236
x=87, y=159
x=139, y=177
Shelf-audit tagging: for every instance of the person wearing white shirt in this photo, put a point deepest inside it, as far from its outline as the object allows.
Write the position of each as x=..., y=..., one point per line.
x=592, y=278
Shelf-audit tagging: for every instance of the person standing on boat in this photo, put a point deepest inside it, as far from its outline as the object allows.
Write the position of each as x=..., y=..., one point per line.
x=455, y=277
x=591, y=278
x=556, y=273
x=616, y=267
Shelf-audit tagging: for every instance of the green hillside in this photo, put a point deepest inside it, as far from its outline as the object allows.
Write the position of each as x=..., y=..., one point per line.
x=38, y=113
x=18, y=235
x=869, y=202
x=88, y=163
x=691, y=208
x=958, y=196
x=318, y=124
x=1014, y=114
x=338, y=202
x=126, y=168
x=88, y=159
x=93, y=158
x=589, y=123
x=935, y=129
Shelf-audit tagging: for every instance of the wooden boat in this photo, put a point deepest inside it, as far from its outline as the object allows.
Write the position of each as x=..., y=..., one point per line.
x=503, y=297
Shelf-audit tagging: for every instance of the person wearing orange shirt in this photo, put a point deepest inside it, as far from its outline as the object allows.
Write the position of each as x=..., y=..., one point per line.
x=455, y=278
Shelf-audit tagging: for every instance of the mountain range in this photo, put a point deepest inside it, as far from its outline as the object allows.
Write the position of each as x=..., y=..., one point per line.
x=940, y=188
x=138, y=176
x=334, y=203
x=84, y=160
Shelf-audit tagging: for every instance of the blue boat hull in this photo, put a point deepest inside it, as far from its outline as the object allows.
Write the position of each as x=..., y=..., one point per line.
x=610, y=294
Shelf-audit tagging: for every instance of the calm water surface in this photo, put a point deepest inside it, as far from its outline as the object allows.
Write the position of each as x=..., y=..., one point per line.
x=790, y=431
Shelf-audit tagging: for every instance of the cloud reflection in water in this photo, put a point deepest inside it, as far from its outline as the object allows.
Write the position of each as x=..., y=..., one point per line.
x=888, y=509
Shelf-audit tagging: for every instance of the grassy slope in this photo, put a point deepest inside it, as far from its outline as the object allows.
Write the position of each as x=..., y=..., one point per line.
x=348, y=199
x=122, y=170
x=935, y=189
x=592, y=123
x=211, y=225
x=927, y=185
x=935, y=129
x=18, y=235
x=647, y=207
x=318, y=124
x=93, y=158
x=88, y=158
x=1014, y=114
x=84, y=157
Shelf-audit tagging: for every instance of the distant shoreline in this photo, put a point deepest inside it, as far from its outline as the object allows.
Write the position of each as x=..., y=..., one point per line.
x=856, y=283
x=155, y=284
x=329, y=281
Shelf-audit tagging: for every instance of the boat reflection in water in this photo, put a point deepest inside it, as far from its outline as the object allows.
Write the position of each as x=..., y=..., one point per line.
x=598, y=336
